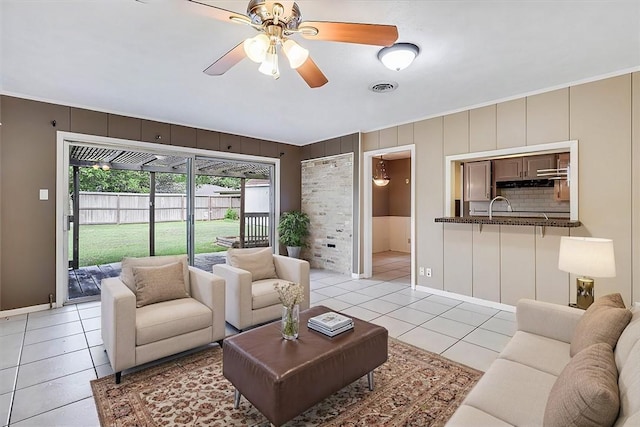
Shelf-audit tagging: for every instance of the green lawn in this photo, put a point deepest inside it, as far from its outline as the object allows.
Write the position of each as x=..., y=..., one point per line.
x=103, y=244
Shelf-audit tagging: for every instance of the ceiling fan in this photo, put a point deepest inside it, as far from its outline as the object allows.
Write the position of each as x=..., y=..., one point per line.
x=276, y=21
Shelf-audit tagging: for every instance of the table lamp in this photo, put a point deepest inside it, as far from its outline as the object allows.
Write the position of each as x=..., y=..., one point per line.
x=589, y=257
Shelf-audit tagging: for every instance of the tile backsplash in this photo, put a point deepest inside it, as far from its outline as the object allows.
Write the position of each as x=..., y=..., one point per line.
x=525, y=201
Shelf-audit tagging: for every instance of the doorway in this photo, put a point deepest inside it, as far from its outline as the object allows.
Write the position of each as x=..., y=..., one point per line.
x=389, y=225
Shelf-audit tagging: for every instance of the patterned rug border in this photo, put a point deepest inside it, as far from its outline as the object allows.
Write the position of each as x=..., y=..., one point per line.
x=359, y=407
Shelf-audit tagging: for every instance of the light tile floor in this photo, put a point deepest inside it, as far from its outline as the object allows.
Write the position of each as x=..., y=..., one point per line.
x=47, y=358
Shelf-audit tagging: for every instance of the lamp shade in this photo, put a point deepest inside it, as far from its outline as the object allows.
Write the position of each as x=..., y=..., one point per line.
x=587, y=256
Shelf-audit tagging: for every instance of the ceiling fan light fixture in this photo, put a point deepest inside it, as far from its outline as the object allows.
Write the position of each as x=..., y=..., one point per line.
x=269, y=66
x=296, y=54
x=398, y=56
x=256, y=47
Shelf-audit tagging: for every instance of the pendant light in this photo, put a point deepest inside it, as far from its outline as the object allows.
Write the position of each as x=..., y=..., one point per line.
x=380, y=175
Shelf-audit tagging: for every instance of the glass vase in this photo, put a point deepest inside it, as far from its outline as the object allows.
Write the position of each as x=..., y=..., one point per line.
x=290, y=322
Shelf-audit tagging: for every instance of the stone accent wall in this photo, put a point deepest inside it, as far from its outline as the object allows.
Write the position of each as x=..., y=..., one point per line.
x=327, y=197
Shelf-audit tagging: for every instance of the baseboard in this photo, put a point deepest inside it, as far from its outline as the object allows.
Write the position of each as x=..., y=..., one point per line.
x=472, y=300
x=25, y=310
x=357, y=275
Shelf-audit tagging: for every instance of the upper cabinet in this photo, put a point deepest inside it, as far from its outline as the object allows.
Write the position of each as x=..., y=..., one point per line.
x=477, y=181
x=562, y=185
x=522, y=168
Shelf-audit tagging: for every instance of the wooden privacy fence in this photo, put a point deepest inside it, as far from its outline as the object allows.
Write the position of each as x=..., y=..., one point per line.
x=130, y=208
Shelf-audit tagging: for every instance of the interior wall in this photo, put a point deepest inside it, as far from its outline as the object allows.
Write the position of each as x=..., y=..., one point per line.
x=28, y=163
x=505, y=263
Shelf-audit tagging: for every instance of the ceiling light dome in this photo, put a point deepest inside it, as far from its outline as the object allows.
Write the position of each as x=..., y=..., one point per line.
x=398, y=56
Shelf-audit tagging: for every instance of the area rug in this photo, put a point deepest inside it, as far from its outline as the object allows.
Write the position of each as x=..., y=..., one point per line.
x=413, y=388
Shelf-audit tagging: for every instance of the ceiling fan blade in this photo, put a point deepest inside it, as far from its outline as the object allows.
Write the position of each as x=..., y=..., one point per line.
x=219, y=13
x=346, y=32
x=311, y=74
x=227, y=61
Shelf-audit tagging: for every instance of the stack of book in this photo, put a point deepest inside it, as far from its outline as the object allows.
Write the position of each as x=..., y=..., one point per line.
x=330, y=324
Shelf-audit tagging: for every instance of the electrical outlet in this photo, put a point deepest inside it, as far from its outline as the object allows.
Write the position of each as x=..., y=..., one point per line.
x=428, y=272
x=421, y=271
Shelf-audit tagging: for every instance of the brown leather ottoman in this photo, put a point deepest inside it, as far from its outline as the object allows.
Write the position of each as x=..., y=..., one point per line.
x=284, y=378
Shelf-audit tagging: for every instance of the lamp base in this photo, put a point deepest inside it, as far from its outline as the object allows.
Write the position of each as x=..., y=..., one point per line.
x=584, y=297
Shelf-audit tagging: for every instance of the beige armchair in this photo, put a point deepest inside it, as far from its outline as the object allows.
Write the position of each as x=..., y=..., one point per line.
x=250, y=275
x=159, y=306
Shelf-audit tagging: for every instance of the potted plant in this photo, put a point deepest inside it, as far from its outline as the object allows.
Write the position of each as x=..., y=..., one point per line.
x=294, y=229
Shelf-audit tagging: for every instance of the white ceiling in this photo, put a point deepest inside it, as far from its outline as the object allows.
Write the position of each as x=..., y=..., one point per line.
x=145, y=59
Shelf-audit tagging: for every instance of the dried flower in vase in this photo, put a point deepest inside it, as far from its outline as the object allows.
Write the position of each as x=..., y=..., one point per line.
x=290, y=293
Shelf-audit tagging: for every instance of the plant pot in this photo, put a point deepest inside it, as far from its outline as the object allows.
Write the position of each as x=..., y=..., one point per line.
x=294, y=251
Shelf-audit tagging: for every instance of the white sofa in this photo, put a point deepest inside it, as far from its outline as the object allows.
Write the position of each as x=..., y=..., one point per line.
x=133, y=336
x=251, y=299
x=515, y=388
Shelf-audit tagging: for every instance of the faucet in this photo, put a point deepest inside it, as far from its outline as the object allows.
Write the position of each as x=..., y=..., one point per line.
x=509, y=208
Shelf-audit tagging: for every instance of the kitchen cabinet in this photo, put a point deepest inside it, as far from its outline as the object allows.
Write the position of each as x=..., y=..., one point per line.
x=477, y=181
x=522, y=168
x=562, y=185
x=508, y=169
x=532, y=164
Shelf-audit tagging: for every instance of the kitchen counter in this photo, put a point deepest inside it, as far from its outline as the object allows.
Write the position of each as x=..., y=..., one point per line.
x=502, y=220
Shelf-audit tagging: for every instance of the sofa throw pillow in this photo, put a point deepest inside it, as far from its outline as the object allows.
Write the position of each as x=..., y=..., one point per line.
x=126, y=273
x=257, y=262
x=603, y=321
x=157, y=284
x=586, y=391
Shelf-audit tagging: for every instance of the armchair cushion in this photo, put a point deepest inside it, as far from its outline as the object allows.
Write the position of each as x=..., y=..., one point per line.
x=603, y=321
x=126, y=275
x=257, y=262
x=168, y=319
x=264, y=294
x=157, y=284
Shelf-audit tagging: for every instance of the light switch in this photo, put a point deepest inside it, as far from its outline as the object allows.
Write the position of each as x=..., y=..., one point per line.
x=44, y=194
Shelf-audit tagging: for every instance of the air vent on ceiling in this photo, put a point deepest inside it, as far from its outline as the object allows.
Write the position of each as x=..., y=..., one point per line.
x=382, y=87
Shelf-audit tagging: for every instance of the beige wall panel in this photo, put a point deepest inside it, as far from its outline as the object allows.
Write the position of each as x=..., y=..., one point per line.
x=456, y=133
x=389, y=137
x=405, y=134
x=125, y=127
x=28, y=224
x=250, y=146
x=458, y=258
x=517, y=263
x=552, y=285
x=482, y=129
x=512, y=123
x=89, y=122
x=486, y=262
x=548, y=117
x=269, y=149
x=349, y=143
x=601, y=122
x=370, y=141
x=290, y=178
x=635, y=185
x=230, y=143
x=157, y=132
x=208, y=140
x=183, y=136
x=332, y=147
x=429, y=200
